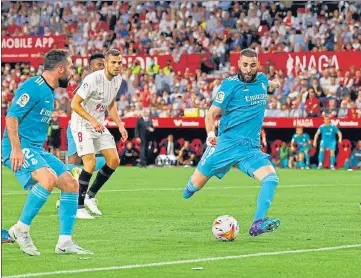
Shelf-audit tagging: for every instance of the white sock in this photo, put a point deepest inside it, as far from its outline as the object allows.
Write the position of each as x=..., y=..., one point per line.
x=64, y=238
x=24, y=228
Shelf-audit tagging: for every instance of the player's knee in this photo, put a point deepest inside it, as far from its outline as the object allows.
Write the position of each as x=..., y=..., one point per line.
x=48, y=181
x=113, y=162
x=67, y=183
x=332, y=153
x=89, y=164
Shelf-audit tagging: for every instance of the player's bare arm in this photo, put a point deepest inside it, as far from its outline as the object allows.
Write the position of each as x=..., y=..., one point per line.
x=212, y=113
x=339, y=137
x=274, y=84
x=113, y=113
x=78, y=108
x=316, y=138
x=16, y=156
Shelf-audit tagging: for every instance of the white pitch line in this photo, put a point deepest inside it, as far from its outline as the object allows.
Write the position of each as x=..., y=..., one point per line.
x=205, y=188
x=184, y=261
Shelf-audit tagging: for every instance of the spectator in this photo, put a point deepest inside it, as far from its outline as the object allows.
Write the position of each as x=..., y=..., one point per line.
x=355, y=159
x=312, y=105
x=171, y=152
x=129, y=155
x=343, y=111
x=283, y=154
x=162, y=82
x=186, y=155
x=331, y=110
x=144, y=127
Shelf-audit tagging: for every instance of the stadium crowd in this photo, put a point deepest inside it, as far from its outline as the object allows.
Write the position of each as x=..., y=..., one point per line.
x=181, y=28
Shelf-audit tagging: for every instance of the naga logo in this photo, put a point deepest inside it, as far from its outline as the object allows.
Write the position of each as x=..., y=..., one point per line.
x=307, y=62
x=303, y=123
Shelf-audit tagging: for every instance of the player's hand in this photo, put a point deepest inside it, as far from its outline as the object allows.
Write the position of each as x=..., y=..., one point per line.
x=139, y=140
x=97, y=126
x=150, y=129
x=211, y=139
x=124, y=133
x=339, y=141
x=315, y=144
x=17, y=159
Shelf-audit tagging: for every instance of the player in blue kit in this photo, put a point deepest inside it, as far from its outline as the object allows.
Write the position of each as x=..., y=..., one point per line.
x=242, y=98
x=27, y=124
x=328, y=132
x=304, y=147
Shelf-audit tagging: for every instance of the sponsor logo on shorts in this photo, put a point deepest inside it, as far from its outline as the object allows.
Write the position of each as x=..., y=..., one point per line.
x=23, y=100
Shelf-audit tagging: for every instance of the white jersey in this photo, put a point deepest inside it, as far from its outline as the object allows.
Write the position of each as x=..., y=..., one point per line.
x=98, y=93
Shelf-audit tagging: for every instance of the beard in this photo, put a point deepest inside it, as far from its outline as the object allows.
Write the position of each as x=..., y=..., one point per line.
x=247, y=77
x=63, y=82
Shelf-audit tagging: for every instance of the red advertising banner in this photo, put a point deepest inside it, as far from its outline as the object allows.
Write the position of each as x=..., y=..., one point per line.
x=28, y=48
x=292, y=62
x=199, y=122
x=191, y=61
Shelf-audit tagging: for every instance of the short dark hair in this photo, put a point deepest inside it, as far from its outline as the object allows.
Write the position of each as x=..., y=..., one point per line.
x=113, y=52
x=96, y=56
x=248, y=52
x=54, y=57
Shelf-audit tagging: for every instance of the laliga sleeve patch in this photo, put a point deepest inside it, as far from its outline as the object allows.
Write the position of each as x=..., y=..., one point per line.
x=23, y=100
x=219, y=97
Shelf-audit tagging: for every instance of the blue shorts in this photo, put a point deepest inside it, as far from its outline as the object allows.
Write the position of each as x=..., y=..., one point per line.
x=71, y=142
x=328, y=145
x=305, y=148
x=246, y=155
x=34, y=158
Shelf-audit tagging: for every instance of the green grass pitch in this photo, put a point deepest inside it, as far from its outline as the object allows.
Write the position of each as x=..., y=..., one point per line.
x=145, y=220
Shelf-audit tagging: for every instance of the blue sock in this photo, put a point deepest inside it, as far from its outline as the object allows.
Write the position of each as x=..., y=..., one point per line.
x=320, y=157
x=307, y=157
x=332, y=160
x=34, y=202
x=67, y=212
x=265, y=195
x=72, y=166
x=347, y=164
x=100, y=162
x=189, y=190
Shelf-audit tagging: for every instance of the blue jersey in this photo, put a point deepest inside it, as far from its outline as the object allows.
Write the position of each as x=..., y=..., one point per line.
x=328, y=132
x=301, y=140
x=32, y=106
x=243, y=106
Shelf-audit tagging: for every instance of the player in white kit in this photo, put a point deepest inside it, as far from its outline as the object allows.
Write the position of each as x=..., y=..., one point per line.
x=95, y=96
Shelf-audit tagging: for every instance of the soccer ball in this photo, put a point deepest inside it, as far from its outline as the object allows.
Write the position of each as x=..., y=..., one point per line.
x=225, y=228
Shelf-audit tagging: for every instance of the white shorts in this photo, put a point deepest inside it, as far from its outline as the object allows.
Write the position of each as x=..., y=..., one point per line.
x=88, y=141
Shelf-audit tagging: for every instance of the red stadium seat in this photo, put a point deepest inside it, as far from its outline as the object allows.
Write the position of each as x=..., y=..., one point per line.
x=121, y=145
x=313, y=150
x=197, y=146
x=181, y=141
x=275, y=146
x=344, y=152
x=326, y=159
x=163, y=150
